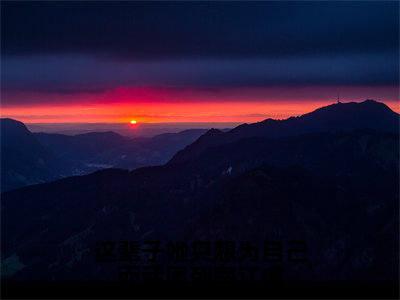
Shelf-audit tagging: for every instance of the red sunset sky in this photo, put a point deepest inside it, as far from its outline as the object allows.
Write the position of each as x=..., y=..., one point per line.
x=194, y=62
x=169, y=105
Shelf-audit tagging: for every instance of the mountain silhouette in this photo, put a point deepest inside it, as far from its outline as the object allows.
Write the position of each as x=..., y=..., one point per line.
x=336, y=189
x=24, y=160
x=31, y=158
x=110, y=149
x=314, y=196
x=81, y=146
x=369, y=114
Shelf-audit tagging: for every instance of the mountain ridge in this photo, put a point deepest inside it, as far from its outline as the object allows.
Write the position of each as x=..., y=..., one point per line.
x=31, y=158
x=211, y=197
x=368, y=114
x=335, y=190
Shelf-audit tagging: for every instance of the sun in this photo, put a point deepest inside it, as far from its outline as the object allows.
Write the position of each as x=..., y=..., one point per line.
x=133, y=122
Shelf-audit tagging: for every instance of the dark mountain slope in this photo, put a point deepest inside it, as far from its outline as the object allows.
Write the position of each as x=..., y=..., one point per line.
x=349, y=227
x=337, y=191
x=337, y=117
x=109, y=149
x=28, y=158
x=140, y=152
x=24, y=160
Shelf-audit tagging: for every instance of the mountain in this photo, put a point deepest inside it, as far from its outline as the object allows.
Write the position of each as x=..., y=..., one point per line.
x=24, y=160
x=140, y=152
x=109, y=149
x=369, y=114
x=327, y=183
x=83, y=146
x=30, y=158
x=334, y=191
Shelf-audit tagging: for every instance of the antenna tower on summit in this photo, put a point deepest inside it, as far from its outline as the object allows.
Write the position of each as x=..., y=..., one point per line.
x=338, y=98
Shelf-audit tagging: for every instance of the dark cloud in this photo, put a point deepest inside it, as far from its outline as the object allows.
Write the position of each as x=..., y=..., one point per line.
x=138, y=30
x=92, y=47
x=69, y=74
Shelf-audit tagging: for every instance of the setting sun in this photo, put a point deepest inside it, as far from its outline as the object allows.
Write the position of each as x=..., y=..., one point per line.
x=133, y=122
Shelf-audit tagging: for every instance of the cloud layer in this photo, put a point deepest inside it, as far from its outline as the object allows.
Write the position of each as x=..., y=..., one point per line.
x=71, y=53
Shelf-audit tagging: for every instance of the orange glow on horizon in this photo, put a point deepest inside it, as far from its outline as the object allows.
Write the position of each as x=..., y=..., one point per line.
x=164, y=105
x=158, y=105
x=159, y=113
x=242, y=112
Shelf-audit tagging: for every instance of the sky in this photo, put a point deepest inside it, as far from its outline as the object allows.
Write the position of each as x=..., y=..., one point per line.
x=112, y=62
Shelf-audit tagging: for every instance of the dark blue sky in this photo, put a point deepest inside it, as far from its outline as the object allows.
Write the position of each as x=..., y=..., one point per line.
x=135, y=30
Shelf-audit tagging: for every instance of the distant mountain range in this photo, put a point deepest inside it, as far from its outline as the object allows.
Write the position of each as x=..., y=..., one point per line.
x=328, y=178
x=109, y=149
x=31, y=158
